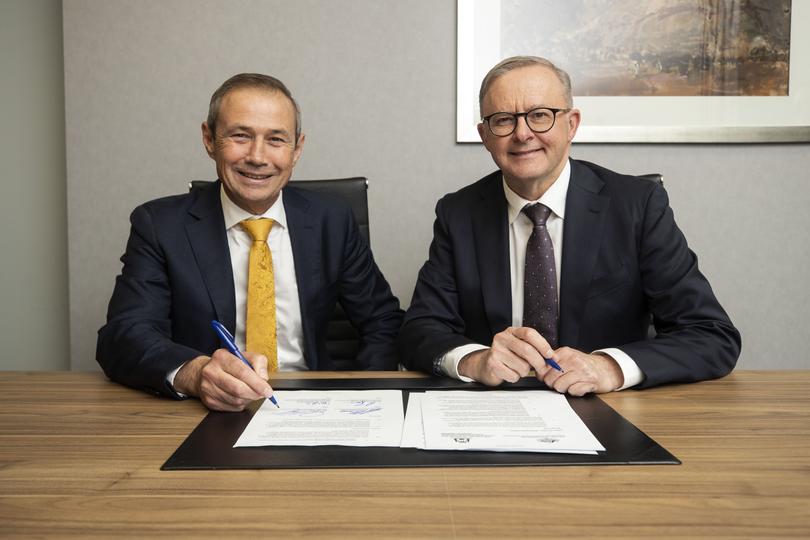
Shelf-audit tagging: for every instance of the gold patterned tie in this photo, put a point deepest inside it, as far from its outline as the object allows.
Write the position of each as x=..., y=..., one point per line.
x=261, y=297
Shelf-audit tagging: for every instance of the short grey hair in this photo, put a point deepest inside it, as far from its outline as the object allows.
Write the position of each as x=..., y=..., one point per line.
x=249, y=80
x=515, y=62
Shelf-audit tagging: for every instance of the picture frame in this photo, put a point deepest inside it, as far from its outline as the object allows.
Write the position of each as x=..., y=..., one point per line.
x=644, y=119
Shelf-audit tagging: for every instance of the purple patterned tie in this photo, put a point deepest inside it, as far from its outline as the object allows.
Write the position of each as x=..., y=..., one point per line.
x=540, y=278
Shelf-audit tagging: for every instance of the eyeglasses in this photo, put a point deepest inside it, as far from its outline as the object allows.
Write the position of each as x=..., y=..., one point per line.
x=539, y=120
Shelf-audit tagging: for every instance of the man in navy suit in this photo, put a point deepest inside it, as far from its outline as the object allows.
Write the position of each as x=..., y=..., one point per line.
x=186, y=264
x=617, y=261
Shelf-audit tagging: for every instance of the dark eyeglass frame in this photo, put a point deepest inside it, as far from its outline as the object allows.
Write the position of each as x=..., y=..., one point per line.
x=525, y=116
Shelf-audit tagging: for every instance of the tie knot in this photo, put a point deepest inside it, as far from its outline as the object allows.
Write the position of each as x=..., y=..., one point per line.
x=537, y=212
x=258, y=229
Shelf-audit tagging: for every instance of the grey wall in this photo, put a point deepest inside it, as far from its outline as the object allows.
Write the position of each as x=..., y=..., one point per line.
x=376, y=82
x=33, y=239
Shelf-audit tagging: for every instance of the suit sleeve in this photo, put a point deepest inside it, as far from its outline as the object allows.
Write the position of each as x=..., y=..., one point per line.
x=434, y=324
x=134, y=347
x=369, y=304
x=695, y=337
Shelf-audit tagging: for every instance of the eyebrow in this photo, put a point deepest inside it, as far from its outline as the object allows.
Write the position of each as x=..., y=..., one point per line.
x=533, y=107
x=239, y=127
x=251, y=130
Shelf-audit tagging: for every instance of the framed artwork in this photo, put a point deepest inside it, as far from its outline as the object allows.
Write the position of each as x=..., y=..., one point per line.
x=674, y=71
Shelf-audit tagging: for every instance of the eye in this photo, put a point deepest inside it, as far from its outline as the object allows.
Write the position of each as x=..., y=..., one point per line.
x=502, y=120
x=276, y=141
x=240, y=137
x=539, y=115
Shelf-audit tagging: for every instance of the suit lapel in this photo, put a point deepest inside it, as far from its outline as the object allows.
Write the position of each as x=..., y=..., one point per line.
x=491, y=242
x=305, y=240
x=306, y=247
x=585, y=213
x=209, y=242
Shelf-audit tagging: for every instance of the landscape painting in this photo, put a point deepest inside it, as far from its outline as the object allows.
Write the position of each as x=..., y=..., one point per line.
x=657, y=47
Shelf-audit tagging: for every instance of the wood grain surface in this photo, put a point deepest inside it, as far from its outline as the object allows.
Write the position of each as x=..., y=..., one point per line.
x=80, y=457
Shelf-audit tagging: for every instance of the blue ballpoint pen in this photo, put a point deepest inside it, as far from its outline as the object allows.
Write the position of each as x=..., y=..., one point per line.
x=229, y=342
x=554, y=364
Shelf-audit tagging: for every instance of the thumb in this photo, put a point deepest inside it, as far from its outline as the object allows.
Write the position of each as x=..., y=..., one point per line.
x=259, y=363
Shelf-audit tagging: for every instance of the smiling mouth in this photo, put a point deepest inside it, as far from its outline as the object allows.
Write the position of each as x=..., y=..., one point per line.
x=254, y=176
x=522, y=153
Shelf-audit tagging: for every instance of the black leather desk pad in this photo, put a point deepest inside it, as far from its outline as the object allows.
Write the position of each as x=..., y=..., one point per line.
x=210, y=445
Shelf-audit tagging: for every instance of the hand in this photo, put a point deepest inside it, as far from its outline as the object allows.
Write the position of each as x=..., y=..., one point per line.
x=514, y=353
x=583, y=373
x=223, y=382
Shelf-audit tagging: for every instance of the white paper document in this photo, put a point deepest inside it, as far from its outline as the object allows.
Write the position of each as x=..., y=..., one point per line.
x=339, y=417
x=516, y=421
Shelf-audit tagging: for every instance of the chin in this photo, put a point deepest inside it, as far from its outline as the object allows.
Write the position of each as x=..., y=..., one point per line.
x=526, y=174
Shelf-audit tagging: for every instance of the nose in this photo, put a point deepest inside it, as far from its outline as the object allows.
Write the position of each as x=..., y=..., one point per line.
x=522, y=131
x=255, y=154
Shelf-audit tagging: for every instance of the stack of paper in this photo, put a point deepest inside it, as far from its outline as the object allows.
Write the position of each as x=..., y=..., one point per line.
x=315, y=418
x=504, y=421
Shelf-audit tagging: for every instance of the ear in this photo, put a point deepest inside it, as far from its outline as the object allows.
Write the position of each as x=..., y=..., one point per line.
x=299, y=148
x=486, y=137
x=574, y=119
x=208, y=140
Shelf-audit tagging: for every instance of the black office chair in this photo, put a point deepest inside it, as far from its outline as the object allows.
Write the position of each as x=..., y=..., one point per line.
x=342, y=340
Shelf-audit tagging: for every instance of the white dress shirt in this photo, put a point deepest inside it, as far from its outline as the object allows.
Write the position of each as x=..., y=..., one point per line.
x=289, y=329
x=520, y=228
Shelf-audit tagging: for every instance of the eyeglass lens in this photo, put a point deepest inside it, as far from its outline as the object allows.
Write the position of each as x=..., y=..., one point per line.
x=539, y=120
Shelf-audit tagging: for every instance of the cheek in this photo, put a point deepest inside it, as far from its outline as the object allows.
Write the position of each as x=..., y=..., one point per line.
x=553, y=143
x=229, y=152
x=232, y=153
x=497, y=148
x=283, y=158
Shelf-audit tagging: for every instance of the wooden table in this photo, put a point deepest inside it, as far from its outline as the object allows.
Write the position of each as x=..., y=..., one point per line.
x=80, y=457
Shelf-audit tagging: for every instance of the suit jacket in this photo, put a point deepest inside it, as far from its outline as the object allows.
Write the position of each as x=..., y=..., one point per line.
x=623, y=260
x=177, y=278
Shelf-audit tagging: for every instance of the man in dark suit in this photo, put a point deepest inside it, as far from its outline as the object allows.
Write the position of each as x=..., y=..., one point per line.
x=486, y=306
x=187, y=259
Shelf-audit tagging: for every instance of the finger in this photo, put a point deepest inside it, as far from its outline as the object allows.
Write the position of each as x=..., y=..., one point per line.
x=259, y=363
x=216, y=399
x=581, y=388
x=488, y=368
x=522, y=355
x=251, y=388
x=528, y=350
x=251, y=385
x=505, y=373
x=560, y=381
x=502, y=356
x=226, y=383
x=492, y=371
x=541, y=372
x=217, y=405
x=532, y=336
x=228, y=362
x=565, y=381
x=222, y=386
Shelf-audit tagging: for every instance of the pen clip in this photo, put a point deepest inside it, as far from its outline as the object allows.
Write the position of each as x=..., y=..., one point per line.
x=223, y=333
x=228, y=341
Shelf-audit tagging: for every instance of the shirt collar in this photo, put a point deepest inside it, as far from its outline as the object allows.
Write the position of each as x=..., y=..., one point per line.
x=554, y=197
x=233, y=214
